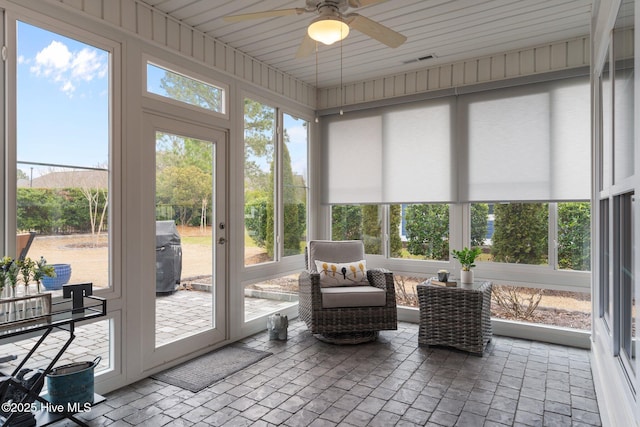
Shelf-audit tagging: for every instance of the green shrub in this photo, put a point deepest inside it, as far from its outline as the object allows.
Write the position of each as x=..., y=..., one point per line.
x=521, y=233
x=574, y=236
x=428, y=230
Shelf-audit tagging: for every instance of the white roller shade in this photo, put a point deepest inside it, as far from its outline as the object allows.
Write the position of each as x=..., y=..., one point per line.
x=418, y=156
x=523, y=143
x=352, y=160
x=528, y=143
x=393, y=155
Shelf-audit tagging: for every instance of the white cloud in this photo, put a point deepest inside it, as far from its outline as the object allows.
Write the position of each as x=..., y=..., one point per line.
x=57, y=63
x=297, y=134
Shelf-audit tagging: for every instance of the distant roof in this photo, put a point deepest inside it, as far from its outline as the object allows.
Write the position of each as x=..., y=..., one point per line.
x=69, y=179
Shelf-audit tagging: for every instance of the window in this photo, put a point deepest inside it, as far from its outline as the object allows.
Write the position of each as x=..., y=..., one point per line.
x=179, y=87
x=623, y=275
x=63, y=166
x=295, y=184
x=259, y=182
x=605, y=257
x=276, y=192
x=359, y=222
x=574, y=236
x=518, y=233
x=420, y=231
x=276, y=168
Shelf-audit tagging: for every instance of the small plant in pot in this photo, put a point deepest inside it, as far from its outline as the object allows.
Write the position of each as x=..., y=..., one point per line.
x=467, y=258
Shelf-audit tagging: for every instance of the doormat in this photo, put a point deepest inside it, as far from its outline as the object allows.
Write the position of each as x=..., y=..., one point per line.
x=201, y=372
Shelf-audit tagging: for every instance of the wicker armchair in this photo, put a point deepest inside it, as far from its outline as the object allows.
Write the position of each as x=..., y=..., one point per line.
x=345, y=324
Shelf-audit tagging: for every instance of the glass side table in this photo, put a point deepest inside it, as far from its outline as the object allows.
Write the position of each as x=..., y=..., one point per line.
x=458, y=317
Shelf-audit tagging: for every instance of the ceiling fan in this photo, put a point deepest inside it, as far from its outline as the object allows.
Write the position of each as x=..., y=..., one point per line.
x=332, y=24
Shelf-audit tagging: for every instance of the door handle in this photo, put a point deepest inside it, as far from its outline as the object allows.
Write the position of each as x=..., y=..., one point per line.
x=222, y=241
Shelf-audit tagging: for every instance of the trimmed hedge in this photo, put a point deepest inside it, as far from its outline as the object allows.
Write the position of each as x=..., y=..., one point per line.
x=53, y=210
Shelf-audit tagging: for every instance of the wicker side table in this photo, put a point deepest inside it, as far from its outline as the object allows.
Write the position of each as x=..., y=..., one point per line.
x=457, y=317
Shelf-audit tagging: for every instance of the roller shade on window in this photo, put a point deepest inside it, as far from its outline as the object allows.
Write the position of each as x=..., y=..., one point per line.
x=352, y=160
x=529, y=143
x=393, y=155
x=521, y=143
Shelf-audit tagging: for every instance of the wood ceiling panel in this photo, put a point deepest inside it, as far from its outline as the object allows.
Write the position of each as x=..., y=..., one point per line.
x=453, y=30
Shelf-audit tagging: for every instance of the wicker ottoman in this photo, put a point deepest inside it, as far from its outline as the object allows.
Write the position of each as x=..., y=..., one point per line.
x=458, y=317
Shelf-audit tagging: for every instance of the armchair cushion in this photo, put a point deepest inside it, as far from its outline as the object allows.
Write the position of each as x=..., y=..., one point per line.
x=334, y=251
x=342, y=274
x=353, y=296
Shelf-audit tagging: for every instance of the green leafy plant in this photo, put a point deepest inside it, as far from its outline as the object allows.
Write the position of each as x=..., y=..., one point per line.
x=467, y=257
x=26, y=267
x=11, y=271
x=40, y=270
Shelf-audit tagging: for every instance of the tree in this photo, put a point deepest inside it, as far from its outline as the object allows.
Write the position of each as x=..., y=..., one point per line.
x=22, y=175
x=93, y=185
x=372, y=229
x=395, y=219
x=185, y=159
x=427, y=227
x=520, y=233
x=38, y=209
x=574, y=236
x=259, y=145
x=184, y=188
x=255, y=218
x=192, y=91
x=294, y=228
x=75, y=210
x=259, y=152
x=346, y=222
x=479, y=223
x=96, y=197
x=295, y=215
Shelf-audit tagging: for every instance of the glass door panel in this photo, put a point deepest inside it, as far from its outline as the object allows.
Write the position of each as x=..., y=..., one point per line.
x=186, y=299
x=184, y=237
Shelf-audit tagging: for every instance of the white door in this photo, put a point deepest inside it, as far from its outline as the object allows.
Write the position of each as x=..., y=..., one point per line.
x=187, y=297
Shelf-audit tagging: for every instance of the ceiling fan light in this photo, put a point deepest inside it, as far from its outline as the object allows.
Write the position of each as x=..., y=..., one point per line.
x=328, y=30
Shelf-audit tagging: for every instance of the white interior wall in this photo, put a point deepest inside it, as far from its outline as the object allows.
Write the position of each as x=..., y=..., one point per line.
x=562, y=55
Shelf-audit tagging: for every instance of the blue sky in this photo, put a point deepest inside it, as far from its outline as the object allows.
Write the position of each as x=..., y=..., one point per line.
x=62, y=97
x=63, y=103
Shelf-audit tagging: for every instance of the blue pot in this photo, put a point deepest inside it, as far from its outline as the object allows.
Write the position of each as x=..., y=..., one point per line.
x=63, y=274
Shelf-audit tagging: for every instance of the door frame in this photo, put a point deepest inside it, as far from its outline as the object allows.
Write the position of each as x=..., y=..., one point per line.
x=153, y=356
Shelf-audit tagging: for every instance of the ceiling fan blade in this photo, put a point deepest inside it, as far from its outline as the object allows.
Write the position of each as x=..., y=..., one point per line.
x=375, y=30
x=362, y=3
x=307, y=47
x=265, y=14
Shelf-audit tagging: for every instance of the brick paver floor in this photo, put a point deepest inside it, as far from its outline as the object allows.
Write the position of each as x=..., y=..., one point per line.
x=391, y=382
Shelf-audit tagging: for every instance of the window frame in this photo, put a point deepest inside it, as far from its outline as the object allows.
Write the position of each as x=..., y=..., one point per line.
x=280, y=262
x=114, y=51
x=541, y=276
x=113, y=293
x=176, y=69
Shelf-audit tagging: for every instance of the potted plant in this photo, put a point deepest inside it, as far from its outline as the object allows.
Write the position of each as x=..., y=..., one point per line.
x=26, y=267
x=42, y=270
x=467, y=258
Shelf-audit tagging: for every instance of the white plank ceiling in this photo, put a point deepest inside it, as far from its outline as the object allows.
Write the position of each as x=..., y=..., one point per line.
x=448, y=30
